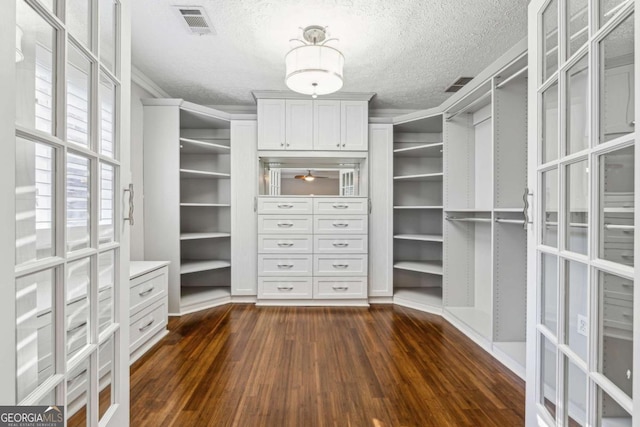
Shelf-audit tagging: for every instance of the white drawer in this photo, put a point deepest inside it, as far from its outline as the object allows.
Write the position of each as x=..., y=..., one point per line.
x=342, y=265
x=338, y=224
x=339, y=244
x=284, y=265
x=275, y=244
x=285, y=224
x=340, y=287
x=348, y=206
x=147, y=323
x=285, y=288
x=147, y=288
x=285, y=205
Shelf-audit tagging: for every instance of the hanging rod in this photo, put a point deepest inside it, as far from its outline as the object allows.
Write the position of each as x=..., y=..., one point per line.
x=469, y=106
x=511, y=77
x=572, y=224
x=619, y=227
x=453, y=218
x=510, y=221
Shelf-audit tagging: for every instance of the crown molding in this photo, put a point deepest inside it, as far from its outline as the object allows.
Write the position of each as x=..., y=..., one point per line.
x=287, y=94
x=142, y=80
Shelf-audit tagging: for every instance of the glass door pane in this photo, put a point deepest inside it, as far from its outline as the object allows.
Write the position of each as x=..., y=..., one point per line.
x=549, y=315
x=578, y=16
x=608, y=9
x=577, y=197
x=78, y=97
x=610, y=413
x=575, y=396
x=578, y=107
x=617, y=100
x=550, y=40
x=108, y=33
x=550, y=208
x=78, y=303
x=107, y=115
x=107, y=203
x=78, y=202
x=548, y=379
x=79, y=19
x=617, y=194
x=576, y=320
x=550, y=124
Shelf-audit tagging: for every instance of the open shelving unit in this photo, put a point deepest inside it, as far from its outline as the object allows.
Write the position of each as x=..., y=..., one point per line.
x=188, y=199
x=205, y=222
x=418, y=207
x=484, y=228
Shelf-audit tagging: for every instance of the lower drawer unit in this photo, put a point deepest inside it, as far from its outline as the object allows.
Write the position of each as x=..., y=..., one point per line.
x=339, y=287
x=340, y=265
x=147, y=323
x=285, y=288
x=284, y=265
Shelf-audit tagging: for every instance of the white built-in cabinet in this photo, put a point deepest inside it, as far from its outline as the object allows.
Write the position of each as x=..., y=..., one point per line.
x=320, y=125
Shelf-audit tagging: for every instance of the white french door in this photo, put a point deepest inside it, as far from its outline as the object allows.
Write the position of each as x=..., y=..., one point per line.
x=583, y=317
x=67, y=327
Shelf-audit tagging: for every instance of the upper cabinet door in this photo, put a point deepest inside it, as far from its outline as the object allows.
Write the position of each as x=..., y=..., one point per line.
x=299, y=124
x=326, y=132
x=354, y=125
x=271, y=124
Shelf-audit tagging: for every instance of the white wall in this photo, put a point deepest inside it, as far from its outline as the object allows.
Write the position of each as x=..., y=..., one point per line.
x=137, y=171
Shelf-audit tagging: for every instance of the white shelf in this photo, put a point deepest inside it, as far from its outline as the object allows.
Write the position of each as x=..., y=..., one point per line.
x=420, y=296
x=419, y=207
x=194, y=266
x=420, y=237
x=517, y=210
x=423, y=150
x=470, y=210
x=428, y=267
x=421, y=177
x=197, y=296
x=476, y=319
x=195, y=146
x=204, y=205
x=191, y=173
x=619, y=210
x=196, y=236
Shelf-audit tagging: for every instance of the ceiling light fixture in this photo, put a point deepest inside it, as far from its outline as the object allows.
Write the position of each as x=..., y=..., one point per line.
x=19, y=54
x=314, y=68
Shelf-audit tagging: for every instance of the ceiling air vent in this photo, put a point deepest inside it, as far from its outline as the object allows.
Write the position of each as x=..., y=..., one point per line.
x=196, y=19
x=458, y=84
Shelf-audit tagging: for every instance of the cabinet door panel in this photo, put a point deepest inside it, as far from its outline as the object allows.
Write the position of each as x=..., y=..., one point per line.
x=326, y=130
x=299, y=124
x=271, y=124
x=354, y=125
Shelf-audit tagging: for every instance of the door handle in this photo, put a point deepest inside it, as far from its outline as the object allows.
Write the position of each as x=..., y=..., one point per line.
x=525, y=209
x=131, y=205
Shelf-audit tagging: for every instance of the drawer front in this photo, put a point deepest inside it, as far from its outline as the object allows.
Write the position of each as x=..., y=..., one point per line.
x=284, y=205
x=276, y=244
x=340, y=287
x=147, y=323
x=338, y=224
x=344, y=265
x=285, y=288
x=342, y=206
x=339, y=244
x=146, y=289
x=284, y=265
x=285, y=224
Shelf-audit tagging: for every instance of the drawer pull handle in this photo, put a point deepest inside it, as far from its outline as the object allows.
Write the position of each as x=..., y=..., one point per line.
x=340, y=244
x=285, y=244
x=76, y=328
x=285, y=224
x=285, y=265
x=285, y=205
x=340, y=265
x=148, y=324
x=340, y=224
x=285, y=288
x=340, y=206
x=146, y=292
x=76, y=377
x=341, y=288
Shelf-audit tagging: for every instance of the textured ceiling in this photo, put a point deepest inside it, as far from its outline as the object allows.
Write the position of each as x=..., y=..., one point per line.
x=405, y=51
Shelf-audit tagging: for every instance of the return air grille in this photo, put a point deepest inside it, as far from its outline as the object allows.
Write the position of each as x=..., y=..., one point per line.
x=458, y=84
x=196, y=19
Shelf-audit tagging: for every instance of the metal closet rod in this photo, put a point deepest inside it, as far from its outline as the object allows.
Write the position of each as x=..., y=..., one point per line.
x=619, y=227
x=469, y=106
x=454, y=218
x=511, y=77
x=510, y=221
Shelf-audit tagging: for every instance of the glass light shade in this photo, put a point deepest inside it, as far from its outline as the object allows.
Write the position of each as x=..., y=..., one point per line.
x=311, y=64
x=19, y=54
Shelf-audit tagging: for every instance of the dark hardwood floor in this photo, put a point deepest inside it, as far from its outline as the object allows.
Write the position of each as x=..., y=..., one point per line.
x=241, y=365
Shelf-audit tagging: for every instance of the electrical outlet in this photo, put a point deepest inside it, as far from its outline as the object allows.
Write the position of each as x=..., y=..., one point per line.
x=583, y=325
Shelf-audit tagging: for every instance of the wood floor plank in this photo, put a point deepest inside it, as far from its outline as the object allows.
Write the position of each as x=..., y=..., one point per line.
x=384, y=366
